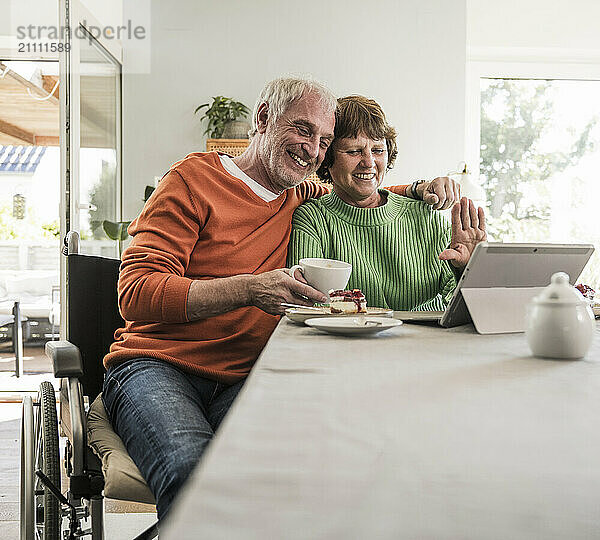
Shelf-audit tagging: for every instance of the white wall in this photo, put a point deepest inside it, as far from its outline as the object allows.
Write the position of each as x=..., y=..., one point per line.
x=410, y=55
x=573, y=24
x=106, y=12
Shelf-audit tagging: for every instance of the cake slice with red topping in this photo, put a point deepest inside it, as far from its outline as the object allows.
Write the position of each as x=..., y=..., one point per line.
x=353, y=301
x=587, y=292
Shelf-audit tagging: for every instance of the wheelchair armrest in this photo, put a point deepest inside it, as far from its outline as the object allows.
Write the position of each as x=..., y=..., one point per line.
x=66, y=359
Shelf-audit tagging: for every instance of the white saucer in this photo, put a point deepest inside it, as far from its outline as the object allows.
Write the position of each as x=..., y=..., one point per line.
x=301, y=315
x=353, y=325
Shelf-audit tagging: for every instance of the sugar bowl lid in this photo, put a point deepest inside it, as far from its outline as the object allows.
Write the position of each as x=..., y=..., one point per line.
x=560, y=291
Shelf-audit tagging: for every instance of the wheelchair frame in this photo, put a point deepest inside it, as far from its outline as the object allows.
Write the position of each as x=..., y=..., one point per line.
x=43, y=505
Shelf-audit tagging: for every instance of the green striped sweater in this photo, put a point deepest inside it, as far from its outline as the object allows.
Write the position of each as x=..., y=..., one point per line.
x=393, y=248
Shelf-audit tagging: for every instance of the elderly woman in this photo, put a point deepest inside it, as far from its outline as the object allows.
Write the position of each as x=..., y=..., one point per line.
x=404, y=255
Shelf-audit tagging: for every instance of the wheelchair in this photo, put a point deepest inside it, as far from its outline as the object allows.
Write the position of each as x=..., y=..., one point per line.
x=96, y=463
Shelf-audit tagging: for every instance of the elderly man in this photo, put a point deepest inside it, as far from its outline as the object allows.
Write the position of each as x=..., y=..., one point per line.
x=202, y=283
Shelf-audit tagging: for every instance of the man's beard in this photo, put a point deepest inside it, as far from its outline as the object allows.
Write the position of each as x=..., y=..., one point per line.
x=281, y=175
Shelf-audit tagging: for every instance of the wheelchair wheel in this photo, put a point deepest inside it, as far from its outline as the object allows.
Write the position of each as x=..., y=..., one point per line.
x=46, y=508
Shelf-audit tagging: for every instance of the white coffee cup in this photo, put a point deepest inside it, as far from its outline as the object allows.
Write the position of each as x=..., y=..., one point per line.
x=324, y=274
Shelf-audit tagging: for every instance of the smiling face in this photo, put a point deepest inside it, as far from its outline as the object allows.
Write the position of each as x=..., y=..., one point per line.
x=294, y=146
x=359, y=165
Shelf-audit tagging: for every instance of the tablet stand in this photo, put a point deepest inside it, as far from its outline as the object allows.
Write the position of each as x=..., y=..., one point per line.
x=499, y=310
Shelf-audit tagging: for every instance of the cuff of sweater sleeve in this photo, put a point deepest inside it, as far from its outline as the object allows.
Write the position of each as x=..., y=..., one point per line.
x=458, y=272
x=174, y=305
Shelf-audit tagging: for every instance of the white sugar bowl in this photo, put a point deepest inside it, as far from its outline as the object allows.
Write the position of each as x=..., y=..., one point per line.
x=560, y=321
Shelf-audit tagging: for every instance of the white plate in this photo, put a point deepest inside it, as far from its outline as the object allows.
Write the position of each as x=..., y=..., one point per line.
x=353, y=325
x=300, y=315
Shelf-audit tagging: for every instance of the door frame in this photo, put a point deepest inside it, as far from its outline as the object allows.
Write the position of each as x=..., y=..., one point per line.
x=74, y=15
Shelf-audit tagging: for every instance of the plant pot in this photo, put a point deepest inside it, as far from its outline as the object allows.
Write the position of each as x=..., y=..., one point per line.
x=238, y=129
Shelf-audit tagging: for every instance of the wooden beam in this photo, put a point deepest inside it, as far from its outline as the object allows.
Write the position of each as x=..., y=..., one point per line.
x=32, y=87
x=48, y=82
x=7, y=140
x=17, y=132
x=46, y=140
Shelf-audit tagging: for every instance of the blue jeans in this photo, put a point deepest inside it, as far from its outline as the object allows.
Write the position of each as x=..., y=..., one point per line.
x=166, y=418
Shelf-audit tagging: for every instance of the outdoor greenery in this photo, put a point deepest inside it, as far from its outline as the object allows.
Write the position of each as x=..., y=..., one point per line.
x=219, y=113
x=30, y=229
x=514, y=169
x=517, y=167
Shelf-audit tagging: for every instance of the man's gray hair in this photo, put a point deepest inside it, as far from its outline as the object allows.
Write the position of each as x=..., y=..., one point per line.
x=280, y=93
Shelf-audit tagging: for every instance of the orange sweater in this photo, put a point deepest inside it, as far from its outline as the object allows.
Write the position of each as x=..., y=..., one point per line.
x=201, y=223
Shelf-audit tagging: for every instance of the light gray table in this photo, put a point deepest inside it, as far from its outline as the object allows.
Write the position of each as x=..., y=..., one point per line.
x=418, y=432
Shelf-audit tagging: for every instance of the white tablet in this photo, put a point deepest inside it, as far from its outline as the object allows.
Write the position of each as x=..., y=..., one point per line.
x=497, y=265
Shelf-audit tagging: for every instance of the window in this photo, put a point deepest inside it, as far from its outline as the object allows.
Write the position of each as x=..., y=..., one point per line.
x=539, y=160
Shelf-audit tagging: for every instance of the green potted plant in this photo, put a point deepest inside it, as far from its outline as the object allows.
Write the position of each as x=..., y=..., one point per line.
x=118, y=230
x=224, y=118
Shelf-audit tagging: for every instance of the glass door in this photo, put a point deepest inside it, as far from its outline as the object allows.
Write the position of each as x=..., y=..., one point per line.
x=90, y=117
x=100, y=148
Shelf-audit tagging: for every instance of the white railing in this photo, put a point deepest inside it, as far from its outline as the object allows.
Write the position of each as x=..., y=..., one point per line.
x=35, y=255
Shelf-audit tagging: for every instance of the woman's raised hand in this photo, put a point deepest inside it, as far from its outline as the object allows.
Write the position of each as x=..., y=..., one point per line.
x=468, y=229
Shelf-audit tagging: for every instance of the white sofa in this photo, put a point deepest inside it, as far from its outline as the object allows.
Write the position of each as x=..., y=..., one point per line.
x=33, y=290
